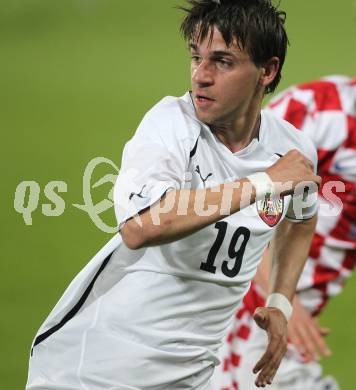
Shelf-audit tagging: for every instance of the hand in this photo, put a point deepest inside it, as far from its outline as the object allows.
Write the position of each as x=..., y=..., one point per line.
x=274, y=322
x=293, y=169
x=305, y=333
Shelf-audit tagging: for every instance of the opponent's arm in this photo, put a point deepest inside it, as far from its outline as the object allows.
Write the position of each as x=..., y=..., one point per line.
x=290, y=248
x=160, y=224
x=306, y=334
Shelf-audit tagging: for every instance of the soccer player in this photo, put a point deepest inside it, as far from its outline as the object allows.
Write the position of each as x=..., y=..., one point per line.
x=325, y=110
x=204, y=184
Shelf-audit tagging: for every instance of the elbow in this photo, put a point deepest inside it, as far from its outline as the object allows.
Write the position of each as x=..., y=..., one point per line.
x=132, y=235
x=132, y=243
x=137, y=237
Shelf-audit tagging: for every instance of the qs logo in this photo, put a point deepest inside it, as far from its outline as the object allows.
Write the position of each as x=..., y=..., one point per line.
x=27, y=195
x=94, y=211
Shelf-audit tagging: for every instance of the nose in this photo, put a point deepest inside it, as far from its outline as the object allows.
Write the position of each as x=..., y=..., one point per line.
x=203, y=74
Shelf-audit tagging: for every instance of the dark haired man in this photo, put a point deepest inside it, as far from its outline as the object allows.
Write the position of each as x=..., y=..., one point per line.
x=151, y=310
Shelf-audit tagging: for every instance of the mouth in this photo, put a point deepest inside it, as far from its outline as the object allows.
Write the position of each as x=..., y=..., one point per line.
x=203, y=100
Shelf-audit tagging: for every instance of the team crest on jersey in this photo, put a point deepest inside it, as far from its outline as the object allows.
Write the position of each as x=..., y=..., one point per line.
x=270, y=209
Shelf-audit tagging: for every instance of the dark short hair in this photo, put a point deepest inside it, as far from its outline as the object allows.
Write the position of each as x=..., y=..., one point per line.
x=257, y=26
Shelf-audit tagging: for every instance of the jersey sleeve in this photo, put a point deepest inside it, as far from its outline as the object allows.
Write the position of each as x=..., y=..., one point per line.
x=154, y=161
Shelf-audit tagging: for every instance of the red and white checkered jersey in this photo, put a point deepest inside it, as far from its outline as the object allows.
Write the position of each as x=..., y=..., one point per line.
x=326, y=111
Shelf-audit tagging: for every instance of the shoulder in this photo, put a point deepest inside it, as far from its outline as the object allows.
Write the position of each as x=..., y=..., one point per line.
x=171, y=119
x=323, y=109
x=331, y=93
x=279, y=136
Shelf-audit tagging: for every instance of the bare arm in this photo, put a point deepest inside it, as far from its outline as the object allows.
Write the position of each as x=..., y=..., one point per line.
x=287, y=243
x=308, y=338
x=290, y=248
x=168, y=221
x=304, y=330
x=161, y=224
x=263, y=271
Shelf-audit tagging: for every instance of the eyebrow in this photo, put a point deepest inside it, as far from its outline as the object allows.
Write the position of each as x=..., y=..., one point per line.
x=216, y=53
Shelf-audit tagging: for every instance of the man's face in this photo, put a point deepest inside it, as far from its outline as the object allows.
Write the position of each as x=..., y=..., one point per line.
x=225, y=81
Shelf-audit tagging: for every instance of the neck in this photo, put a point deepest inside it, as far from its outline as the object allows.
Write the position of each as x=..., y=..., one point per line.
x=236, y=134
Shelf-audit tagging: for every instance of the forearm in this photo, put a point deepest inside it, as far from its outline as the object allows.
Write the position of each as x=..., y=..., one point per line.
x=160, y=224
x=263, y=271
x=183, y=212
x=290, y=249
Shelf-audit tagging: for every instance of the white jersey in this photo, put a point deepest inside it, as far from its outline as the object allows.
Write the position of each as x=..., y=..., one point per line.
x=154, y=318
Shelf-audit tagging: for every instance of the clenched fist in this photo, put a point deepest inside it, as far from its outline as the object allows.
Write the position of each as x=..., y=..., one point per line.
x=291, y=171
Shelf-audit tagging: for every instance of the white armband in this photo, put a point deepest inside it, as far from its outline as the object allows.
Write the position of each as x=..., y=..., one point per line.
x=263, y=185
x=279, y=301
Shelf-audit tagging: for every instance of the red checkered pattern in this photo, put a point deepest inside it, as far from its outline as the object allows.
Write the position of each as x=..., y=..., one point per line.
x=326, y=111
x=238, y=336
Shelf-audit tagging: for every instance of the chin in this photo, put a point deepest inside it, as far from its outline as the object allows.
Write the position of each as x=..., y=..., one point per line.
x=205, y=117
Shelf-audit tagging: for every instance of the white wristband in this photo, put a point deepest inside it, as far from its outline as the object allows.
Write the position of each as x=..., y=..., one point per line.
x=263, y=185
x=279, y=301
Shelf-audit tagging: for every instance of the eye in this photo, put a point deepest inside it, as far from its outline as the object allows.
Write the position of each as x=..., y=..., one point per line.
x=224, y=63
x=195, y=58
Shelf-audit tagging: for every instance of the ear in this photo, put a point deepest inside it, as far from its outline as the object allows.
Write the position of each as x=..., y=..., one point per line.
x=269, y=71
